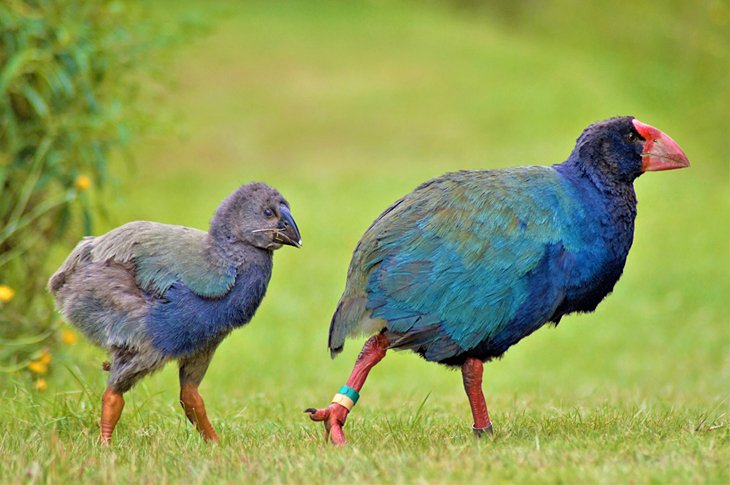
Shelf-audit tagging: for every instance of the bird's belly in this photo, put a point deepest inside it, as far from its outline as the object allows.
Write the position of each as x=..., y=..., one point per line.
x=482, y=322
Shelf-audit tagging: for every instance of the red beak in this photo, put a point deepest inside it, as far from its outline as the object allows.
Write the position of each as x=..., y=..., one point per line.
x=660, y=151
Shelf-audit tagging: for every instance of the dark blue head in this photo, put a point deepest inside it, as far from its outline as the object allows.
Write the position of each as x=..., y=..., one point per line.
x=620, y=149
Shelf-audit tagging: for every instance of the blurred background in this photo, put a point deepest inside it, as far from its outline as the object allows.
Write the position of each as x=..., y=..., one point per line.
x=117, y=111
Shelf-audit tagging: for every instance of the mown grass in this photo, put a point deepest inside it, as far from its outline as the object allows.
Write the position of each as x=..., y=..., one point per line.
x=344, y=109
x=608, y=439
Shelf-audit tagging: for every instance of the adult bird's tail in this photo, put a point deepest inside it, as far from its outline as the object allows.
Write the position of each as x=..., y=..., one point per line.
x=351, y=318
x=336, y=341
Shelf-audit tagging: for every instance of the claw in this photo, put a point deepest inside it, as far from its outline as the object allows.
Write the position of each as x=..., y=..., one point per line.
x=333, y=417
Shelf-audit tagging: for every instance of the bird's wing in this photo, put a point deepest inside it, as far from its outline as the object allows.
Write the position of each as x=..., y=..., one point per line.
x=162, y=254
x=462, y=259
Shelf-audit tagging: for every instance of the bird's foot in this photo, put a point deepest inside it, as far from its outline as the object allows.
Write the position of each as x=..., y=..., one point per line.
x=479, y=432
x=333, y=417
x=209, y=434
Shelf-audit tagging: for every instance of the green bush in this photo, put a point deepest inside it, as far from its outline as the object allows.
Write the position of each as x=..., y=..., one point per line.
x=69, y=71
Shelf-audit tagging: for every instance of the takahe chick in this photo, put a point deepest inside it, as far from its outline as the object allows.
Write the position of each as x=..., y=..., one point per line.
x=471, y=262
x=150, y=292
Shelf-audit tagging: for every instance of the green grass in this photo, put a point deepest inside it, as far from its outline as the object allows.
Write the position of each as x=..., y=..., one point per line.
x=345, y=109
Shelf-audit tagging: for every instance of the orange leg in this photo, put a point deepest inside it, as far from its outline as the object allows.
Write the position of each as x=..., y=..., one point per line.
x=112, y=403
x=471, y=372
x=334, y=415
x=194, y=408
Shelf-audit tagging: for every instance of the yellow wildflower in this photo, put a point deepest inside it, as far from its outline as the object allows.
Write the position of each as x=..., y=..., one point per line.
x=82, y=182
x=45, y=358
x=6, y=293
x=40, y=384
x=38, y=367
x=68, y=337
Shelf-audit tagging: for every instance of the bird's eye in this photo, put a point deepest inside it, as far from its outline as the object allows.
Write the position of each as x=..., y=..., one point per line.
x=268, y=212
x=631, y=136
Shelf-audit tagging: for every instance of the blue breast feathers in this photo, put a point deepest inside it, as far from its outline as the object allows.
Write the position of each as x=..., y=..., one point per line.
x=183, y=322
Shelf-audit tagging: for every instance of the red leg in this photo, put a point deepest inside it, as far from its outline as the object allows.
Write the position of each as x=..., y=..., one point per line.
x=335, y=415
x=112, y=403
x=471, y=372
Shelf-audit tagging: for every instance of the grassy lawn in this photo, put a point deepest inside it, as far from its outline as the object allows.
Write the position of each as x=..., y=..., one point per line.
x=345, y=109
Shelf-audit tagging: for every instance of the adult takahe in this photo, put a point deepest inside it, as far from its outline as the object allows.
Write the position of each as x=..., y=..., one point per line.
x=471, y=262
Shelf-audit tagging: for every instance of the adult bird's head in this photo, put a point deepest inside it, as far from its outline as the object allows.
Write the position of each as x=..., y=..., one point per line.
x=621, y=149
x=257, y=215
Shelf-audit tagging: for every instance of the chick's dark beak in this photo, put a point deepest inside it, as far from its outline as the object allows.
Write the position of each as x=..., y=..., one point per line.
x=660, y=151
x=288, y=232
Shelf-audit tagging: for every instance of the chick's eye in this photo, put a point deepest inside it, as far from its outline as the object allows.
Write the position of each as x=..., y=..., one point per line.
x=268, y=212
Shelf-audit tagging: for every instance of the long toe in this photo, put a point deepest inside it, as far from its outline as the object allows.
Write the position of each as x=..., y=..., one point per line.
x=336, y=434
x=318, y=414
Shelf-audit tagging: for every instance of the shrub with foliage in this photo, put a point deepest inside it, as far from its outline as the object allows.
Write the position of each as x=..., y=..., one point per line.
x=69, y=71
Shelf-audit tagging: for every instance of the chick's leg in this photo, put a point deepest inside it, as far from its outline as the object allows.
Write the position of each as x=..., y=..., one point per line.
x=112, y=403
x=192, y=371
x=471, y=372
x=127, y=367
x=335, y=415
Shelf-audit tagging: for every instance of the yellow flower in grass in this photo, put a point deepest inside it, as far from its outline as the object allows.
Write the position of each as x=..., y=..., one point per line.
x=40, y=384
x=82, y=182
x=68, y=337
x=45, y=358
x=6, y=293
x=38, y=367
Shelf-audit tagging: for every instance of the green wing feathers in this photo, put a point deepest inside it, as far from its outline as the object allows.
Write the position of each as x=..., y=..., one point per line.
x=163, y=254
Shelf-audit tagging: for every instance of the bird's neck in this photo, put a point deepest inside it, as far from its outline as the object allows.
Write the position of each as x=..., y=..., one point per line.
x=236, y=253
x=610, y=202
x=618, y=192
